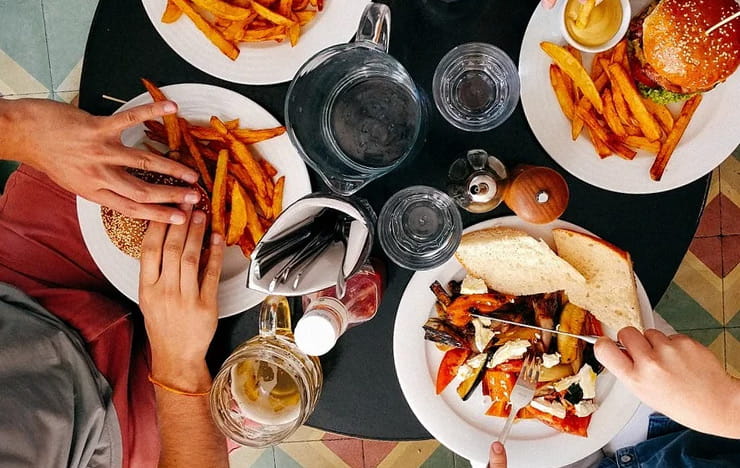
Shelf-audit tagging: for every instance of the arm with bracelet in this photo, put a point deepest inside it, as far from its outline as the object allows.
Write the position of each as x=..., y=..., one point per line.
x=180, y=314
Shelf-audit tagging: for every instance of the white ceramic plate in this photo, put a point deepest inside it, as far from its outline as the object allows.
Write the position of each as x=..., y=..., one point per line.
x=462, y=426
x=197, y=103
x=710, y=137
x=259, y=62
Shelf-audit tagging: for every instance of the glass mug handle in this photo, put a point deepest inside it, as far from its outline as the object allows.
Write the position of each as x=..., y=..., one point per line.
x=275, y=317
x=375, y=25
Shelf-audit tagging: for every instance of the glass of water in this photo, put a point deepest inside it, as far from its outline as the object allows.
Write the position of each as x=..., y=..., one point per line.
x=476, y=87
x=419, y=228
x=353, y=111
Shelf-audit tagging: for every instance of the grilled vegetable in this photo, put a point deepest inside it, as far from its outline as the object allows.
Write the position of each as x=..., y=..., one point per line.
x=461, y=307
x=551, y=374
x=572, y=320
x=439, y=331
x=449, y=366
x=545, y=308
x=440, y=293
x=465, y=389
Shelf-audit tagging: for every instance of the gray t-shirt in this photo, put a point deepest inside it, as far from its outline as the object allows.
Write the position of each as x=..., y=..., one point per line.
x=55, y=406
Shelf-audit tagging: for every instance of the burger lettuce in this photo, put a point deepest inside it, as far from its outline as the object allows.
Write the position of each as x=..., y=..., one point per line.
x=661, y=95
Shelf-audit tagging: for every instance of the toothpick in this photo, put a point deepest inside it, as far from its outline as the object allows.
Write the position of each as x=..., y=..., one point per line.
x=722, y=23
x=111, y=98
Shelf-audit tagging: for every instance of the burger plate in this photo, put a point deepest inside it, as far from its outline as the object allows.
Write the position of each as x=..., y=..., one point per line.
x=710, y=137
x=197, y=103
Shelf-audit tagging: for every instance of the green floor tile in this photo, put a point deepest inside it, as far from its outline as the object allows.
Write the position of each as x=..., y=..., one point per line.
x=67, y=26
x=23, y=40
x=461, y=462
x=283, y=460
x=704, y=336
x=683, y=312
x=735, y=322
x=440, y=458
x=734, y=331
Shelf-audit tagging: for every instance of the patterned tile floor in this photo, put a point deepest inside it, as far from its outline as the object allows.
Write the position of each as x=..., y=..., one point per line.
x=41, y=48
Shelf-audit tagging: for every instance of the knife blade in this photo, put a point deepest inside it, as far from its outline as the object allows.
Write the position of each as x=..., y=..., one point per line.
x=587, y=338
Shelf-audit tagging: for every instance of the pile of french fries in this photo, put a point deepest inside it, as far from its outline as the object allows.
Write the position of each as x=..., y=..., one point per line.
x=606, y=102
x=244, y=198
x=226, y=23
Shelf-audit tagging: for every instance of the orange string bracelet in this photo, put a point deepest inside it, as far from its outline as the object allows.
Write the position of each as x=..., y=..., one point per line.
x=174, y=390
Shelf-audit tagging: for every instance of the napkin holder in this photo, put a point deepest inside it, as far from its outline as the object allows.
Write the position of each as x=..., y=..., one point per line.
x=322, y=273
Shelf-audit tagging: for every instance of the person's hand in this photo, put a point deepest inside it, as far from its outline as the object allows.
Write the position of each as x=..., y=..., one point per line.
x=497, y=455
x=83, y=154
x=676, y=376
x=180, y=309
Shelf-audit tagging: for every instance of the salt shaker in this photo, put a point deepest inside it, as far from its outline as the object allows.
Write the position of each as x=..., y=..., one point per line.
x=326, y=318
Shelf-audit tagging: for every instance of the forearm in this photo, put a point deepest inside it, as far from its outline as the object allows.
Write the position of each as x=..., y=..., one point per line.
x=725, y=422
x=13, y=137
x=187, y=432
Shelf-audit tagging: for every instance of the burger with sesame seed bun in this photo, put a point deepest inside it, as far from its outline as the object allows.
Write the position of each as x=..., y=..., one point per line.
x=671, y=56
x=127, y=233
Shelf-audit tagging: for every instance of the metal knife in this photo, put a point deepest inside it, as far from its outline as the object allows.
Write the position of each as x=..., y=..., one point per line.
x=587, y=338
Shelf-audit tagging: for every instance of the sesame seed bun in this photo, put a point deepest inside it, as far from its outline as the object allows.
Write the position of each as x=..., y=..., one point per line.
x=127, y=233
x=683, y=58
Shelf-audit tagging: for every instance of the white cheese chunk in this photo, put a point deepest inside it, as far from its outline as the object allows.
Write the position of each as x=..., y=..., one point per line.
x=513, y=349
x=550, y=360
x=585, y=407
x=482, y=334
x=554, y=408
x=471, y=365
x=585, y=378
x=473, y=285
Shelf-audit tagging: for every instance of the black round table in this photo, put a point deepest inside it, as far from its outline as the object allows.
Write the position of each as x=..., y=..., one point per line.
x=361, y=395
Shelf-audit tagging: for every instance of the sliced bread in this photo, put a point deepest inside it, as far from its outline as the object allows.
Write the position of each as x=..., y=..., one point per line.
x=610, y=291
x=511, y=261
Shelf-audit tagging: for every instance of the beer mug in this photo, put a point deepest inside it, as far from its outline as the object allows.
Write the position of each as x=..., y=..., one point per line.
x=268, y=387
x=353, y=111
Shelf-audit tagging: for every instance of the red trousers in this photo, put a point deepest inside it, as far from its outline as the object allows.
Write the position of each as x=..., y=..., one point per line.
x=42, y=253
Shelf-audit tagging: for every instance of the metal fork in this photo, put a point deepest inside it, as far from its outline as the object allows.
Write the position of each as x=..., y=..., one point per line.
x=523, y=391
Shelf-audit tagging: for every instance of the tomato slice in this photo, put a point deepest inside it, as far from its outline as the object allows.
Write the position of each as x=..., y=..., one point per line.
x=571, y=424
x=498, y=384
x=451, y=362
x=593, y=326
x=513, y=365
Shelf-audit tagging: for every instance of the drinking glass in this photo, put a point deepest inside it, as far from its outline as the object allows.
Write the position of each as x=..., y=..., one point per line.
x=268, y=387
x=353, y=111
x=419, y=228
x=476, y=87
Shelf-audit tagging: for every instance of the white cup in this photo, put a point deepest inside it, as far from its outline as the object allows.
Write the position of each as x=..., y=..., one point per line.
x=626, y=18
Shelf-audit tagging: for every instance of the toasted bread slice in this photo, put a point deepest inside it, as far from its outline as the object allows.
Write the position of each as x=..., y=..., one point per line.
x=511, y=261
x=610, y=292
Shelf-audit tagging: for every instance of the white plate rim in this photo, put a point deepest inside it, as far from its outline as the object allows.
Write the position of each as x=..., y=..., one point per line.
x=709, y=139
x=445, y=424
x=123, y=271
x=259, y=63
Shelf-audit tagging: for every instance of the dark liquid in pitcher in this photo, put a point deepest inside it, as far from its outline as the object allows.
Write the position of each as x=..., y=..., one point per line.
x=375, y=121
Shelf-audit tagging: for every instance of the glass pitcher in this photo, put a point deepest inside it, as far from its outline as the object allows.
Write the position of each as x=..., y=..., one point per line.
x=268, y=387
x=353, y=111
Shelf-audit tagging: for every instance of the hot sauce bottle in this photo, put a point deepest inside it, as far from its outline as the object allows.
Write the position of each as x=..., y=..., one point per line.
x=326, y=318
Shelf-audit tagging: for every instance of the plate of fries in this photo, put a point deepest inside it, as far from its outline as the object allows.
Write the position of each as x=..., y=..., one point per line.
x=253, y=41
x=587, y=113
x=248, y=167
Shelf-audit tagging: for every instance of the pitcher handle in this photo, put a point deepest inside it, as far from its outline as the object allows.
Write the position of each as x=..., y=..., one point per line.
x=375, y=25
x=275, y=316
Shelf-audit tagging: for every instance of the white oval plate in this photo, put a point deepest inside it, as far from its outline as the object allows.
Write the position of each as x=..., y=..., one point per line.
x=197, y=103
x=259, y=63
x=462, y=426
x=710, y=137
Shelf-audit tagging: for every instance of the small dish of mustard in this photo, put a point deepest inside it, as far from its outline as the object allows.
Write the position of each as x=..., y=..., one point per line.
x=606, y=25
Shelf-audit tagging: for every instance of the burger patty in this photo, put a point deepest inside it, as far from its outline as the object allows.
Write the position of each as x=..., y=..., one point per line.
x=127, y=233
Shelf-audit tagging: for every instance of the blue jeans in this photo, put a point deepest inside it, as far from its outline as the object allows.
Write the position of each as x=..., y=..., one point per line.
x=670, y=445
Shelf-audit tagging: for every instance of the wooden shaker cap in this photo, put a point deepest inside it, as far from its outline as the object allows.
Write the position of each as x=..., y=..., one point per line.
x=536, y=194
